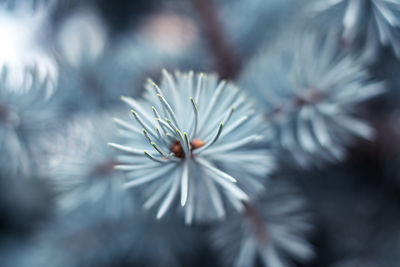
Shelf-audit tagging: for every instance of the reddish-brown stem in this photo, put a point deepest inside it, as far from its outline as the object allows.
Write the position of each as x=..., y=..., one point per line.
x=3, y=112
x=226, y=61
x=105, y=168
x=256, y=221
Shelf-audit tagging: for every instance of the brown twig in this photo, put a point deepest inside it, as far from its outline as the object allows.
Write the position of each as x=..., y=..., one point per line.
x=226, y=58
x=256, y=222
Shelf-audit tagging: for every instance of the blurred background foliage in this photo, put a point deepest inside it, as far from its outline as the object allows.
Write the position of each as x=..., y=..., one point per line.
x=73, y=60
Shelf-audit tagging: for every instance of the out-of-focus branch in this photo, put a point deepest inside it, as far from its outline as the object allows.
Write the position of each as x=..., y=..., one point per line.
x=253, y=215
x=226, y=59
